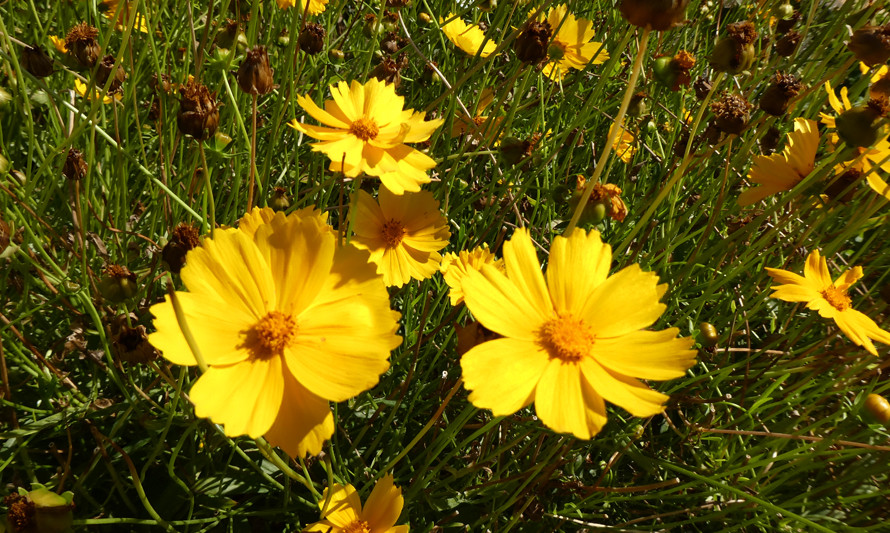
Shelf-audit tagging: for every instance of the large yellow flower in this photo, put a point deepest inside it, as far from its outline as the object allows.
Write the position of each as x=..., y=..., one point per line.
x=455, y=266
x=829, y=298
x=403, y=233
x=570, y=46
x=265, y=305
x=875, y=159
x=368, y=127
x=345, y=513
x=572, y=339
x=315, y=7
x=467, y=38
x=781, y=172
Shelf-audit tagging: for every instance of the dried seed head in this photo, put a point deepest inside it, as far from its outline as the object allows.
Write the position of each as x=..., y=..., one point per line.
x=658, y=15
x=160, y=83
x=836, y=188
x=82, y=46
x=103, y=72
x=871, y=44
x=20, y=513
x=778, y=95
x=702, y=87
x=183, y=238
x=786, y=46
x=735, y=52
x=5, y=235
x=397, y=4
x=784, y=25
x=880, y=88
x=36, y=62
x=255, y=74
x=75, y=168
x=311, y=39
x=531, y=45
x=131, y=345
x=230, y=34
x=118, y=284
x=770, y=140
x=198, y=111
x=732, y=113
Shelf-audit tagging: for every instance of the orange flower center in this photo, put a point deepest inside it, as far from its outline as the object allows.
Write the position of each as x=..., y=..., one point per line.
x=392, y=233
x=364, y=128
x=837, y=298
x=272, y=334
x=359, y=526
x=566, y=338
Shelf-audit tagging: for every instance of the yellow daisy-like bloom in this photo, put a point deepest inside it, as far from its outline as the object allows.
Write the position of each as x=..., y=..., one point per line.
x=403, y=233
x=572, y=339
x=782, y=172
x=111, y=6
x=467, y=38
x=265, y=306
x=314, y=7
x=346, y=514
x=625, y=143
x=455, y=267
x=877, y=75
x=829, y=298
x=570, y=46
x=365, y=129
x=877, y=156
x=58, y=44
x=81, y=89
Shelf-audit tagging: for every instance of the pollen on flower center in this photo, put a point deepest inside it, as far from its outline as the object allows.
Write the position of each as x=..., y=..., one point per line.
x=359, y=526
x=364, y=128
x=837, y=298
x=566, y=338
x=272, y=334
x=392, y=233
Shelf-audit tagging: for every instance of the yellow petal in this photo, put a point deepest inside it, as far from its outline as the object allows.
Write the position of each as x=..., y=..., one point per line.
x=646, y=354
x=581, y=252
x=500, y=305
x=848, y=278
x=324, y=116
x=304, y=421
x=524, y=271
x=559, y=401
x=625, y=392
x=816, y=269
x=344, y=507
x=384, y=505
x=627, y=301
x=502, y=374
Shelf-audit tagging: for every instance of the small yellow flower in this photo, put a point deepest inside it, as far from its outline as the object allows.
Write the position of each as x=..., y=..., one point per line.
x=81, y=89
x=625, y=143
x=315, y=7
x=111, y=8
x=829, y=298
x=879, y=73
x=482, y=124
x=782, y=172
x=455, y=267
x=58, y=44
x=572, y=337
x=403, y=233
x=467, y=38
x=345, y=513
x=365, y=129
x=570, y=46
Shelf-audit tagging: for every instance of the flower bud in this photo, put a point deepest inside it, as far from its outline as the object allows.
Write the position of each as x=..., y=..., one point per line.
x=254, y=74
x=658, y=15
x=280, y=199
x=732, y=113
x=283, y=38
x=371, y=27
x=311, y=39
x=82, y=46
x=335, y=54
x=36, y=62
x=778, y=95
x=638, y=105
x=735, y=52
x=786, y=46
x=784, y=25
x=75, y=168
x=878, y=407
x=230, y=35
x=674, y=71
x=183, y=238
x=709, y=335
x=531, y=45
x=103, y=71
x=198, y=111
x=514, y=150
x=5, y=98
x=118, y=284
x=861, y=126
x=488, y=5
x=871, y=44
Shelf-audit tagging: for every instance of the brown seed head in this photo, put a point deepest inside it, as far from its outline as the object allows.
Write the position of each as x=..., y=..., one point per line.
x=82, y=46
x=160, y=83
x=783, y=26
x=871, y=44
x=103, y=72
x=786, y=46
x=702, y=87
x=658, y=15
x=36, y=62
x=880, y=87
x=879, y=105
x=531, y=45
x=397, y=4
x=198, y=111
x=311, y=39
x=131, y=345
x=388, y=70
x=20, y=512
x=5, y=234
x=742, y=32
x=779, y=94
x=75, y=168
x=255, y=74
x=836, y=188
x=732, y=113
x=183, y=238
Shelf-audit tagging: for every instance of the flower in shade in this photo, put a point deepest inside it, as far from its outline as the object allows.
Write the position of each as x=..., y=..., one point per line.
x=571, y=338
x=403, y=233
x=365, y=128
x=455, y=266
x=467, y=38
x=58, y=44
x=81, y=89
x=111, y=7
x=625, y=143
x=344, y=513
x=314, y=7
x=265, y=307
x=570, y=46
x=829, y=298
x=782, y=172
x=872, y=159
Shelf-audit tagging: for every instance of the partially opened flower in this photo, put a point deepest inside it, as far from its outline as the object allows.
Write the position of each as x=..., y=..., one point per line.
x=81, y=89
x=573, y=338
x=403, y=233
x=455, y=266
x=265, y=307
x=782, y=172
x=829, y=298
x=467, y=38
x=625, y=143
x=570, y=46
x=365, y=129
x=345, y=513
x=313, y=7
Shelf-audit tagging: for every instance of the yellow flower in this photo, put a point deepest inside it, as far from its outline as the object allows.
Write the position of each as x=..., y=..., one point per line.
x=624, y=144
x=455, y=267
x=403, y=233
x=368, y=127
x=467, y=38
x=570, y=46
x=111, y=6
x=58, y=44
x=265, y=306
x=829, y=299
x=876, y=158
x=878, y=73
x=345, y=513
x=81, y=89
x=572, y=339
x=781, y=172
x=482, y=124
x=315, y=6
